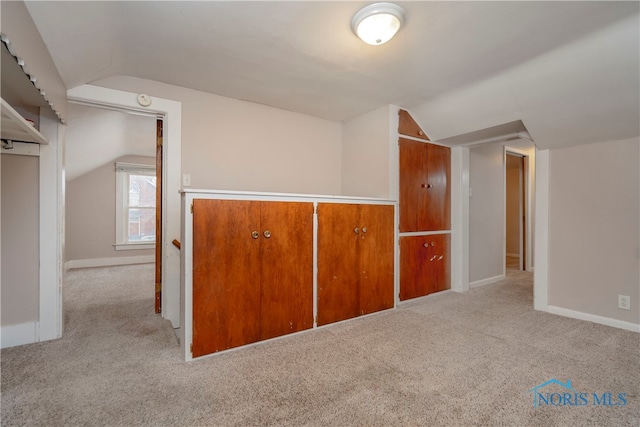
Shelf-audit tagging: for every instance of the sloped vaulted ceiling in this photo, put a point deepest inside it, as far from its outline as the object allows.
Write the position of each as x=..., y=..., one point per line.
x=568, y=70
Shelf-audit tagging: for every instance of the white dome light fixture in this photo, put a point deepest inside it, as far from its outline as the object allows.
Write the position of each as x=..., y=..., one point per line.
x=377, y=23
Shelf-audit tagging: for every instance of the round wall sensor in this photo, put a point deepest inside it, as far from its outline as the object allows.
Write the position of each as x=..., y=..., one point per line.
x=144, y=100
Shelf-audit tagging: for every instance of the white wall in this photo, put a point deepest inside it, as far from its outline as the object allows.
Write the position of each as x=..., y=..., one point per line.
x=486, y=216
x=96, y=136
x=95, y=139
x=91, y=216
x=594, y=243
x=366, y=169
x=20, y=258
x=229, y=144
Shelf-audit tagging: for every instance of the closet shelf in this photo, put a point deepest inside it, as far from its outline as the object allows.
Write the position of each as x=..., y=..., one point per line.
x=16, y=128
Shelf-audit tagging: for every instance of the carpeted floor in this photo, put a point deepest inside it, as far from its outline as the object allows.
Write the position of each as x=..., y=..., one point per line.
x=446, y=360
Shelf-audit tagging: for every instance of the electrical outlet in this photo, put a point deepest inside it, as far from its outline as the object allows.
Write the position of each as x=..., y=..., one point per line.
x=624, y=302
x=186, y=180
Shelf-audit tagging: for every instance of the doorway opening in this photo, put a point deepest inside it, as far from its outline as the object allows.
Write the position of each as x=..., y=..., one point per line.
x=517, y=247
x=171, y=113
x=114, y=189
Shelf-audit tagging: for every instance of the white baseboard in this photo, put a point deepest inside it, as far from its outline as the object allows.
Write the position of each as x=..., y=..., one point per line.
x=21, y=334
x=486, y=281
x=621, y=324
x=104, y=262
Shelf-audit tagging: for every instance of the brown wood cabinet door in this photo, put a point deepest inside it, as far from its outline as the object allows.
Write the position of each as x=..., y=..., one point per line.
x=376, y=258
x=413, y=183
x=226, y=284
x=442, y=262
x=338, y=262
x=414, y=267
x=425, y=186
x=438, y=192
x=286, y=259
x=424, y=265
x=408, y=126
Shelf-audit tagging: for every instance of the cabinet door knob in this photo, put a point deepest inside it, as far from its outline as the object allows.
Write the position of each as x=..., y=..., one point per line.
x=426, y=244
x=255, y=234
x=267, y=234
x=356, y=230
x=427, y=185
x=440, y=257
x=364, y=229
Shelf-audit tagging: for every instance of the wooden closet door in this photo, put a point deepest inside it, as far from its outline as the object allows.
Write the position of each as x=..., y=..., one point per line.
x=413, y=185
x=338, y=262
x=438, y=192
x=376, y=258
x=425, y=265
x=442, y=263
x=286, y=259
x=415, y=254
x=226, y=272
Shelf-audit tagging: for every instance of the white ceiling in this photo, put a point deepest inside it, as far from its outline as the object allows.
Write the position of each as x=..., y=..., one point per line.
x=568, y=70
x=97, y=136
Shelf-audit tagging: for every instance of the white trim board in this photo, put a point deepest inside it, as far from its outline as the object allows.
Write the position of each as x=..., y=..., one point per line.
x=20, y=334
x=487, y=281
x=51, y=223
x=460, y=219
x=23, y=149
x=541, y=235
x=620, y=324
x=105, y=262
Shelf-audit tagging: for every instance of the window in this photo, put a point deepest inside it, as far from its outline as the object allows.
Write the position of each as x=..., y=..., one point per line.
x=135, y=206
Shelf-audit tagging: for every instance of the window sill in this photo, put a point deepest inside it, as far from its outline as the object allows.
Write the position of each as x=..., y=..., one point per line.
x=133, y=246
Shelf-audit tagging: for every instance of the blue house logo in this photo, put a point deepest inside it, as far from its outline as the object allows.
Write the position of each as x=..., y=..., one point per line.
x=545, y=397
x=568, y=396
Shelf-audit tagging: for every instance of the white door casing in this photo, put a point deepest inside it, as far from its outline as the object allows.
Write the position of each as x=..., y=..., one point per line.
x=171, y=111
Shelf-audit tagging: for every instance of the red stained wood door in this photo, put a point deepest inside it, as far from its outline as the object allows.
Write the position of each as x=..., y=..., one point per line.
x=376, y=258
x=425, y=265
x=226, y=276
x=252, y=272
x=425, y=189
x=438, y=194
x=286, y=261
x=338, y=262
x=413, y=181
x=158, y=249
x=355, y=260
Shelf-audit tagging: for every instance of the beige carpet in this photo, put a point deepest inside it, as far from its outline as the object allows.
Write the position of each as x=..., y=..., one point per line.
x=446, y=360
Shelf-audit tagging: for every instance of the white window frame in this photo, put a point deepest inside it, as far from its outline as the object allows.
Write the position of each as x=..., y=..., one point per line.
x=123, y=170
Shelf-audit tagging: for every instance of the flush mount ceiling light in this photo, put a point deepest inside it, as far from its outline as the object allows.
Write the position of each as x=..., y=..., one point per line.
x=377, y=23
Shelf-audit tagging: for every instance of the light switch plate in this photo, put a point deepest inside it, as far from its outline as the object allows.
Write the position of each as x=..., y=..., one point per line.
x=186, y=180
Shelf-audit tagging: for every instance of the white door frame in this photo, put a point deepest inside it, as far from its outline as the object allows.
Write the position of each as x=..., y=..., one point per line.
x=171, y=111
x=538, y=234
x=541, y=244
